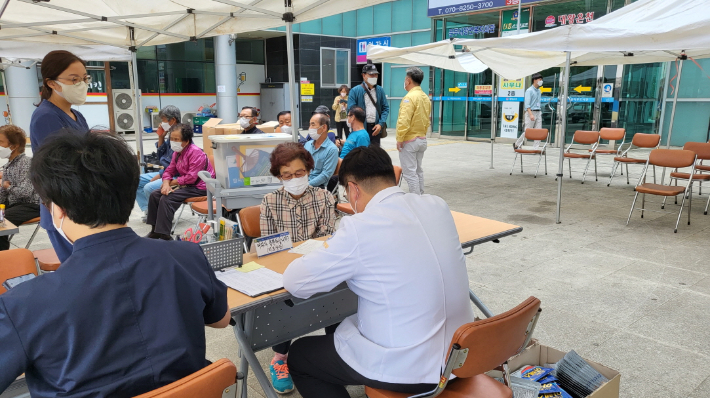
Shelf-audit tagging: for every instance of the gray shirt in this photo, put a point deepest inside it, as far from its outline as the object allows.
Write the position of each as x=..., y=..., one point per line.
x=532, y=98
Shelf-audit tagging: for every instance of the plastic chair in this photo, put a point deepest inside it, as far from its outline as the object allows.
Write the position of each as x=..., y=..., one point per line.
x=533, y=135
x=29, y=222
x=612, y=134
x=640, y=140
x=347, y=209
x=666, y=158
x=702, y=151
x=249, y=221
x=478, y=347
x=14, y=263
x=584, y=138
x=215, y=381
x=47, y=260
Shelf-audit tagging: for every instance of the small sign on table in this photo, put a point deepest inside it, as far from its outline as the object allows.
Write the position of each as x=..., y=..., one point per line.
x=273, y=243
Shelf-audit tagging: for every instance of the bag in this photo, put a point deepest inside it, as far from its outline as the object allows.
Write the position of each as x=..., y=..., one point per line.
x=383, y=131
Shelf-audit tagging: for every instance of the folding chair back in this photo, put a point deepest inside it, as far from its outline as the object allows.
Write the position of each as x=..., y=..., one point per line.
x=536, y=134
x=249, y=219
x=612, y=134
x=398, y=176
x=642, y=140
x=701, y=149
x=585, y=137
x=214, y=381
x=14, y=263
x=673, y=158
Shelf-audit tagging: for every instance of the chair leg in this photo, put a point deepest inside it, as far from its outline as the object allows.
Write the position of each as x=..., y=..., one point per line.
x=584, y=175
x=654, y=173
x=177, y=219
x=546, y=162
x=627, y=174
x=514, y=160
x=596, y=177
x=521, y=163
x=538, y=166
x=676, y=197
x=663, y=204
x=706, y=206
x=679, y=213
x=613, y=171
x=570, y=167
x=27, y=246
x=632, y=206
x=690, y=203
x=643, y=203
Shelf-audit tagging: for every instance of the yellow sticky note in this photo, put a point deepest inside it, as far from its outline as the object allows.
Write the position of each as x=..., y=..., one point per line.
x=326, y=245
x=250, y=266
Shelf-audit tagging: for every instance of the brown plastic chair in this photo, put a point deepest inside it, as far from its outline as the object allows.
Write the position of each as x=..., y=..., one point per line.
x=29, y=222
x=249, y=221
x=47, y=260
x=215, y=381
x=14, y=263
x=584, y=138
x=702, y=151
x=533, y=135
x=479, y=347
x=640, y=140
x=666, y=158
x=346, y=209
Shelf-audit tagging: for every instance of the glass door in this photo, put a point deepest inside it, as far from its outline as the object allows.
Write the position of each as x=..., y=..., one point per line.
x=582, y=98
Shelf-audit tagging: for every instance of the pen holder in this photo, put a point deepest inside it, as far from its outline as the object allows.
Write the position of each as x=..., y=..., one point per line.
x=224, y=254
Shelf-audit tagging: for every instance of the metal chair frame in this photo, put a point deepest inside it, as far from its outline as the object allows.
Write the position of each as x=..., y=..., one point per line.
x=592, y=155
x=625, y=155
x=699, y=162
x=543, y=151
x=29, y=242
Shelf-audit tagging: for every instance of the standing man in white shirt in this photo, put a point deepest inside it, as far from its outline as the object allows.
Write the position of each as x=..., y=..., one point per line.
x=413, y=289
x=533, y=96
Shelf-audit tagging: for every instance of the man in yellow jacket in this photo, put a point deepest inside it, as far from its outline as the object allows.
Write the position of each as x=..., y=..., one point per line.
x=412, y=125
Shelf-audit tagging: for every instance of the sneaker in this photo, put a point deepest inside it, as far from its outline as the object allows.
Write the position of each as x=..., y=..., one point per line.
x=280, y=377
x=144, y=219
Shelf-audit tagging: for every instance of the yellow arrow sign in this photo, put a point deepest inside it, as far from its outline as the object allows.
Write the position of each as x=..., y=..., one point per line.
x=579, y=89
x=545, y=90
x=454, y=89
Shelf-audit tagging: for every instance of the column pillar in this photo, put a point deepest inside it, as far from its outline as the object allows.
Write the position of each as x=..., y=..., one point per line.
x=22, y=91
x=225, y=67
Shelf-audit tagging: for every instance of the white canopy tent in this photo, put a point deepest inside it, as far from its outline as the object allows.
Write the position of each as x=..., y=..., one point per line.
x=130, y=24
x=439, y=54
x=642, y=32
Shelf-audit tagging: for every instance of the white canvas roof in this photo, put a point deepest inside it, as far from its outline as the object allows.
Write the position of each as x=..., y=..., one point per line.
x=440, y=54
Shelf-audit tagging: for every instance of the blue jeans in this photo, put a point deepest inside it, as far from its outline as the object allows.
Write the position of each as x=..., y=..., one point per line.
x=145, y=188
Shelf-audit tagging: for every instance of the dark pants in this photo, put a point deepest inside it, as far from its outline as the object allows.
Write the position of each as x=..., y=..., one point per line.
x=342, y=126
x=284, y=347
x=374, y=139
x=17, y=214
x=318, y=371
x=162, y=208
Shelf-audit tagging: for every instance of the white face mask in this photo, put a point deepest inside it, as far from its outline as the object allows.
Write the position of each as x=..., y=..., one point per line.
x=176, y=146
x=286, y=129
x=539, y=83
x=244, y=122
x=343, y=95
x=5, y=152
x=296, y=186
x=314, y=134
x=372, y=81
x=74, y=94
x=353, y=204
x=165, y=126
x=59, y=228
x=405, y=85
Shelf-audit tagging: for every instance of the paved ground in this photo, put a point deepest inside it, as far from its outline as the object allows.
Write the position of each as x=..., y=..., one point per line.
x=635, y=298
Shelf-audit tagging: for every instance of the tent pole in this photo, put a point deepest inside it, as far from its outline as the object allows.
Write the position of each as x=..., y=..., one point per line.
x=295, y=119
x=670, y=123
x=563, y=118
x=494, y=115
x=520, y=9
x=137, y=111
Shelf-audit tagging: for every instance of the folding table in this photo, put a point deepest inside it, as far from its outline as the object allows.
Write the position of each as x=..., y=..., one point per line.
x=8, y=229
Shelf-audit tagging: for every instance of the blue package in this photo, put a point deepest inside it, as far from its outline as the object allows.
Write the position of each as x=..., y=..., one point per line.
x=550, y=388
x=547, y=379
x=535, y=373
x=561, y=394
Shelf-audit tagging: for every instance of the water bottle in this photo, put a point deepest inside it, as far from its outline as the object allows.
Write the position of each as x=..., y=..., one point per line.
x=2, y=215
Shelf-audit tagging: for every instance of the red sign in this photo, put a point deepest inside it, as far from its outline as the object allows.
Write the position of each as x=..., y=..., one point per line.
x=550, y=21
x=483, y=89
x=512, y=2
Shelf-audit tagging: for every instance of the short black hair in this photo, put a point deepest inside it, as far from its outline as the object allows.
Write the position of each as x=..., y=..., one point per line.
x=184, y=129
x=282, y=113
x=92, y=176
x=358, y=113
x=536, y=76
x=254, y=112
x=366, y=165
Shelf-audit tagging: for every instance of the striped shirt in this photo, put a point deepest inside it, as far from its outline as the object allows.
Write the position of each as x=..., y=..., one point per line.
x=310, y=216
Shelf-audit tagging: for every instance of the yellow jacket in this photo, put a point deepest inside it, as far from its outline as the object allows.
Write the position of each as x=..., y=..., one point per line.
x=413, y=119
x=336, y=107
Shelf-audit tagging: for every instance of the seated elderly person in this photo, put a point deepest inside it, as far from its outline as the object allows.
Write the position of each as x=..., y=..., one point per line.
x=323, y=150
x=16, y=191
x=248, y=119
x=284, y=118
x=305, y=212
x=149, y=182
x=188, y=160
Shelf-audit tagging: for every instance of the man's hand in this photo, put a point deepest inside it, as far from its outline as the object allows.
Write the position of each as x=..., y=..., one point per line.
x=376, y=130
x=400, y=146
x=339, y=143
x=532, y=117
x=157, y=176
x=165, y=188
x=6, y=185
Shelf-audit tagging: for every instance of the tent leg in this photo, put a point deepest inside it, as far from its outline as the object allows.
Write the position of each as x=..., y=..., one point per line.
x=563, y=118
x=137, y=111
x=295, y=119
x=494, y=109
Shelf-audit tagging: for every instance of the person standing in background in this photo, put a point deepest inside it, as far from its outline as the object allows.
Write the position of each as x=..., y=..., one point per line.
x=363, y=95
x=533, y=115
x=340, y=106
x=64, y=83
x=412, y=125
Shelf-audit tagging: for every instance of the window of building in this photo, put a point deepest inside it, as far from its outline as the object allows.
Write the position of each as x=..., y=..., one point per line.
x=250, y=51
x=334, y=67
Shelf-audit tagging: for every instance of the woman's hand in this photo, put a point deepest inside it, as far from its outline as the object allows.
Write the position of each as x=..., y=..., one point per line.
x=165, y=188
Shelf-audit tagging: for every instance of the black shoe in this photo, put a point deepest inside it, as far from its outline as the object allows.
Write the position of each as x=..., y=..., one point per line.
x=153, y=235
x=164, y=237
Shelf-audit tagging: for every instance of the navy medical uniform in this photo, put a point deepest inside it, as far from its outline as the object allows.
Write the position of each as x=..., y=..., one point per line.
x=47, y=120
x=122, y=316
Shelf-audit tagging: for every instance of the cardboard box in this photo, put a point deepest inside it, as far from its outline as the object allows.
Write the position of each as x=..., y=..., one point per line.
x=268, y=127
x=229, y=129
x=538, y=354
x=208, y=129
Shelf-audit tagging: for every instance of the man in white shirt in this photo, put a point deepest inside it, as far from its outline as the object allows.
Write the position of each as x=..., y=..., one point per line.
x=401, y=255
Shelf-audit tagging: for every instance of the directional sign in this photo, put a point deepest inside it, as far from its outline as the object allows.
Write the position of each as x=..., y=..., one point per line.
x=454, y=89
x=580, y=89
x=462, y=85
x=545, y=90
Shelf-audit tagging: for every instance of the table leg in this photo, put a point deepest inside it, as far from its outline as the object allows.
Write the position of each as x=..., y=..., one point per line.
x=248, y=357
x=479, y=304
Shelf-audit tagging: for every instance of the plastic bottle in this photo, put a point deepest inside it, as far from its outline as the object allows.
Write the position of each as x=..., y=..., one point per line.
x=2, y=215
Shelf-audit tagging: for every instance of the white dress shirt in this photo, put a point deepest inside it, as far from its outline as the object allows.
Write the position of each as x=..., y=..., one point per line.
x=403, y=259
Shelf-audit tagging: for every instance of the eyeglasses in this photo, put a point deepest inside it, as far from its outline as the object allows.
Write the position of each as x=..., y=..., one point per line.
x=77, y=80
x=297, y=174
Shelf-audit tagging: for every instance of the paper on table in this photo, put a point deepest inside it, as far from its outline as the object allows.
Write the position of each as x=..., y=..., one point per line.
x=307, y=247
x=254, y=283
x=249, y=267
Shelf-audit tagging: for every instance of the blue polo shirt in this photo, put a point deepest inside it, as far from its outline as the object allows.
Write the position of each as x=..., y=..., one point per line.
x=325, y=159
x=355, y=139
x=122, y=316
